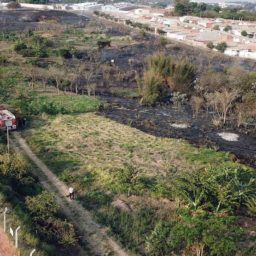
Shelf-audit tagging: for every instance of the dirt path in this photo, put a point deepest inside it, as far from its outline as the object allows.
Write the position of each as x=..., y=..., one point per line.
x=92, y=233
x=6, y=247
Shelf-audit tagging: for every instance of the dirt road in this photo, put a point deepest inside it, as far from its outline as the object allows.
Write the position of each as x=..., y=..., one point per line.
x=92, y=233
x=6, y=247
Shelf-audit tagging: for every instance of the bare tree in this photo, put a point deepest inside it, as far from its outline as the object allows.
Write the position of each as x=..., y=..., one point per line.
x=222, y=102
x=58, y=74
x=196, y=104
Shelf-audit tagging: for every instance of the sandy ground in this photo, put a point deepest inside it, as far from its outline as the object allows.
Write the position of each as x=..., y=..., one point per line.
x=6, y=246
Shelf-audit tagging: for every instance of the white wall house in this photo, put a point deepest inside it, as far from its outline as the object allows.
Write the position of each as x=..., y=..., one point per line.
x=231, y=52
x=176, y=35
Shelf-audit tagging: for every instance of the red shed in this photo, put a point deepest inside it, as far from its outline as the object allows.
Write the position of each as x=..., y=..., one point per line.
x=6, y=115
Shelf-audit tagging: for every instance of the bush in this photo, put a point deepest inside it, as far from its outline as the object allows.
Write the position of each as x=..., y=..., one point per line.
x=210, y=45
x=43, y=209
x=217, y=190
x=221, y=47
x=244, y=33
x=13, y=5
x=42, y=206
x=151, y=88
x=20, y=46
x=65, y=53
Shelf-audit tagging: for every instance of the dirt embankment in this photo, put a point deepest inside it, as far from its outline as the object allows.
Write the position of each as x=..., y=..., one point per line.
x=6, y=247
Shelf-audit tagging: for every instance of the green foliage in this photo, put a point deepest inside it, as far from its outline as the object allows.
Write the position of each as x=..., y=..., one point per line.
x=183, y=77
x=210, y=45
x=151, y=88
x=216, y=27
x=65, y=53
x=186, y=7
x=131, y=228
x=163, y=74
x=60, y=104
x=203, y=232
x=244, y=33
x=227, y=28
x=157, y=243
x=20, y=46
x=226, y=189
x=221, y=47
x=43, y=209
x=251, y=205
x=42, y=206
x=161, y=64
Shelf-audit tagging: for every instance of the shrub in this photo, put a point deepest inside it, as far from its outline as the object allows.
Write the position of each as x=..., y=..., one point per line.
x=224, y=189
x=227, y=28
x=216, y=27
x=221, y=47
x=196, y=103
x=151, y=88
x=183, y=77
x=13, y=5
x=65, y=53
x=42, y=206
x=20, y=46
x=251, y=205
x=43, y=210
x=244, y=33
x=210, y=45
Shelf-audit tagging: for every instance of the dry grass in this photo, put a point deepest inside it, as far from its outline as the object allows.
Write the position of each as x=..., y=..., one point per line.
x=100, y=144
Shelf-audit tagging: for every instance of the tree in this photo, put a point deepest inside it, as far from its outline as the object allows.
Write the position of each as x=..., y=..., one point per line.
x=244, y=33
x=222, y=102
x=181, y=7
x=221, y=47
x=210, y=45
x=227, y=28
x=216, y=27
x=58, y=74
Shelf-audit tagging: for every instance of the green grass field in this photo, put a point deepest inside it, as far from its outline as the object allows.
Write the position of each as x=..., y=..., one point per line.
x=106, y=161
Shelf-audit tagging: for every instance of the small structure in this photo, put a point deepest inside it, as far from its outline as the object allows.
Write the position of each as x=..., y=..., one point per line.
x=7, y=116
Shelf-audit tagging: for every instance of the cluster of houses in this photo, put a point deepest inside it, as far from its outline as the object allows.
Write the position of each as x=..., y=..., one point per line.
x=195, y=31
x=192, y=30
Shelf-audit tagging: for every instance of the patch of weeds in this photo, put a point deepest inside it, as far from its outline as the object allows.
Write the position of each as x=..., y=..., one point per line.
x=95, y=199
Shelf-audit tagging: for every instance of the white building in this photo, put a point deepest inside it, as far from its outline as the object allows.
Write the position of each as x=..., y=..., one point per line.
x=176, y=35
x=231, y=52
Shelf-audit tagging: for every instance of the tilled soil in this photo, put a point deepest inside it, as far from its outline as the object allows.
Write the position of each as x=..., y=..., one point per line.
x=159, y=120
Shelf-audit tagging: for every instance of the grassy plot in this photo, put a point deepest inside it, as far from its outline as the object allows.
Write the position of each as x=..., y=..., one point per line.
x=108, y=163
x=65, y=104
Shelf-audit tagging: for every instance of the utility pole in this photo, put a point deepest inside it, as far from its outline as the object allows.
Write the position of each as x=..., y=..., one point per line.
x=5, y=210
x=8, y=123
x=8, y=140
x=16, y=236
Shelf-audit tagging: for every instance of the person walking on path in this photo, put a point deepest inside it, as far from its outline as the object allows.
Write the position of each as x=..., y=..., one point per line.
x=71, y=193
